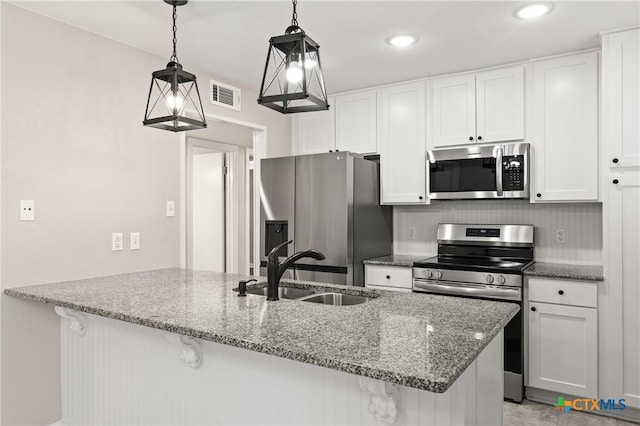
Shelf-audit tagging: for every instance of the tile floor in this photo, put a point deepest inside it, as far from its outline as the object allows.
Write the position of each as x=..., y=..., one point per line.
x=530, y=413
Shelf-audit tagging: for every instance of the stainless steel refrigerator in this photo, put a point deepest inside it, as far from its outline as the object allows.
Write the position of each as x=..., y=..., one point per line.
x=328, y=202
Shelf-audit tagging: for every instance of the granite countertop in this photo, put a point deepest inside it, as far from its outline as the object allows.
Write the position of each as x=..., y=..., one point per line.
x=395, y=260
x=570, y=272
x=417, y=340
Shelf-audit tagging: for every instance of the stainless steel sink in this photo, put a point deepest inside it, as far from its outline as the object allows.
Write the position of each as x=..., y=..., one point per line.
x=336, y=299
x=283, y=292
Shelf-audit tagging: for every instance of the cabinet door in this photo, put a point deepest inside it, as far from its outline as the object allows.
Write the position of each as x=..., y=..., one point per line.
x=563, y=349
x=403, y=145
x=454, y=111
x=565, y=133
x=313, y=132
x=621, y=103
x=622, y=269
x=500, y=105
x=356, y=122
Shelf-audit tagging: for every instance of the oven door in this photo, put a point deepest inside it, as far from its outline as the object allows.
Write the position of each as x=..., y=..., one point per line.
x=453, y=288
x=492, y=171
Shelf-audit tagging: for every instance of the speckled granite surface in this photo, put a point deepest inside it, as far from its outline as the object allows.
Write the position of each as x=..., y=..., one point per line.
x=570, y=272
x=417, y=340
x=395, y=260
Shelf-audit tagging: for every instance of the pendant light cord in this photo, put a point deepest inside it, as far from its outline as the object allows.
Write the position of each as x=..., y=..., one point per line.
x=174, y=56
x=294, y=18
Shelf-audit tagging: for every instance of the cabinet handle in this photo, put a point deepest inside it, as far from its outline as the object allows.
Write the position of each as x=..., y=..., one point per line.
x=615, y=160
x=470, y=138
x=560, y=292
x=420, y=197
x=533, y=308
x=539, y=195
x=388, y=277
x=479, y=138
x=615, y=181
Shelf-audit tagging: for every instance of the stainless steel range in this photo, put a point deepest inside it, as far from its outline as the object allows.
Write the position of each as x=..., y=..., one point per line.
x=484, y=261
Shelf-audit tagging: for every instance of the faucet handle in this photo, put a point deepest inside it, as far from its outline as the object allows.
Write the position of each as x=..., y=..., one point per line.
x=242, y=287
x=273, y=254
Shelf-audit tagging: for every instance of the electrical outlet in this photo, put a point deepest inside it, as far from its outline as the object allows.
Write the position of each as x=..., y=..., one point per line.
x=134, y=241
x=171, y=208
x=116, y=241
x=561, y=236
x=27, y=210
x=412, y=233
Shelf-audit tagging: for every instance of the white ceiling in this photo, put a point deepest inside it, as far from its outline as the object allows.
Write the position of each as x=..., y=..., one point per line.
x=229, y=39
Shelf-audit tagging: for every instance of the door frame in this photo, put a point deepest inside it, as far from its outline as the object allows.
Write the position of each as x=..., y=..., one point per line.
x=259, y=152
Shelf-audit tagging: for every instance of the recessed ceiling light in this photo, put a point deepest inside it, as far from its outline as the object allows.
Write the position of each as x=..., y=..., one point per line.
x=534, y=10
x=402, y=40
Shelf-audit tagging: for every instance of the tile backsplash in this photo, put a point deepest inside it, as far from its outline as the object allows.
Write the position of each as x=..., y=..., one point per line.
x=582, y=223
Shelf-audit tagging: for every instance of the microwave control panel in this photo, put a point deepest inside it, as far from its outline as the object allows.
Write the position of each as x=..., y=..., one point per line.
x=513, y=173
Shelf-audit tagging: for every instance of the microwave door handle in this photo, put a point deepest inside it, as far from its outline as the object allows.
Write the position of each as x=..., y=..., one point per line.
x=499, y=171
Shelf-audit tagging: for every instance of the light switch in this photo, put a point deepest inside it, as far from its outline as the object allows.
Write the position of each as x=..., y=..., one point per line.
x=27, y=210
x=134, y=241
x=171, y=208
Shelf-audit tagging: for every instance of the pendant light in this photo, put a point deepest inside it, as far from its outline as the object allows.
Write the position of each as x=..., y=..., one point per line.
x=292, y=80
x=173, y=91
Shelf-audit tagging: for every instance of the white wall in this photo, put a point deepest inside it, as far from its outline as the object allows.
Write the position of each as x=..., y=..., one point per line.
x=582, y=223
x=73, y=141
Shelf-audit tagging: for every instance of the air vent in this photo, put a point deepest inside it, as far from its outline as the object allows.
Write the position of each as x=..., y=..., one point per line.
x=224, y=95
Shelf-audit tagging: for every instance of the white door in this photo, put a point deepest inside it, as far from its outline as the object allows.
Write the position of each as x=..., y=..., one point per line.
x=565, y=132
x=454, y=111
x=403, y=145
x=563, y=349
x=621, y=102
x=208, y=211
x=313, y=132
x=356, y=129
x=500, y=105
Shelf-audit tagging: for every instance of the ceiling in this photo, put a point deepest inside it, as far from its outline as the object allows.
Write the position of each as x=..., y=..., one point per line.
x=229, y=39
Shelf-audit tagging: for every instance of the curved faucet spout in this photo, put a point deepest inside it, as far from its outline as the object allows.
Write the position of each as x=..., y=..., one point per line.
x=275, y=270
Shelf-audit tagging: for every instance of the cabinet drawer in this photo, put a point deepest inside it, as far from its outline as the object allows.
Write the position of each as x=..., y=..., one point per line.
x=388, y=276
x=575, y=293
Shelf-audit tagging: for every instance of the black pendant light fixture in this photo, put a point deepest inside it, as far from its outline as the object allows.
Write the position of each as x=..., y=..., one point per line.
x=292, y=79
x=174, y=91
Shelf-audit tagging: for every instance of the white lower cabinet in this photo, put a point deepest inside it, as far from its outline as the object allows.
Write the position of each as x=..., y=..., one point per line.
x=386, y=277
x=563, y=338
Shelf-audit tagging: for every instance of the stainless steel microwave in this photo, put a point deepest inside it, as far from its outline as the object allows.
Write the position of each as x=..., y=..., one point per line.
x=490, y=171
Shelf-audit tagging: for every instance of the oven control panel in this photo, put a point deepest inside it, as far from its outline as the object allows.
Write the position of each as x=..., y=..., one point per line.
x=471, y=277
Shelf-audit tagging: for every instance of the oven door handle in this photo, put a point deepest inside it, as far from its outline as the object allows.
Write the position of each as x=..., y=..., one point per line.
x=492, y=292
x=499, y=153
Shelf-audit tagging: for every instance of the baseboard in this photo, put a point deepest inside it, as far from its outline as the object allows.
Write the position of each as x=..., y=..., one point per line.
x=629, y=414
x=58, y=423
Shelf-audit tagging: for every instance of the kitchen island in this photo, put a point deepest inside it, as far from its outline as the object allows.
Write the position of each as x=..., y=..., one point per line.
x=398, y=358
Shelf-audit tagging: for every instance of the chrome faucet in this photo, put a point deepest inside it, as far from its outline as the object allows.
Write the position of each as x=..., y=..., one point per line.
x=276, y=269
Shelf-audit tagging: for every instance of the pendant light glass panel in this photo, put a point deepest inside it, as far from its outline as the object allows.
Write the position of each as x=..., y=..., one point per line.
x=174, y=91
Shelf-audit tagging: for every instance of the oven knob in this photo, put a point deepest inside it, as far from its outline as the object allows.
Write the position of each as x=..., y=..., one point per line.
x=501, y=279
x=489, y=279
x=438, y=275
x=428, y=274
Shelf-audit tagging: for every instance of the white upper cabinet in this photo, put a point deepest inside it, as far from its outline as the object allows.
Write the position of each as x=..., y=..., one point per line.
x=355, y=115
x=403, y=144
x=500, y=105
x=313, y=132
x=478, y=108
x=621, y=103
x=454, y=110
x=565, y=129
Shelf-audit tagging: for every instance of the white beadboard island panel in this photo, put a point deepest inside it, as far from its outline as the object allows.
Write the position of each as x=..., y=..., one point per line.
x=119, y=373
x=581, y=221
